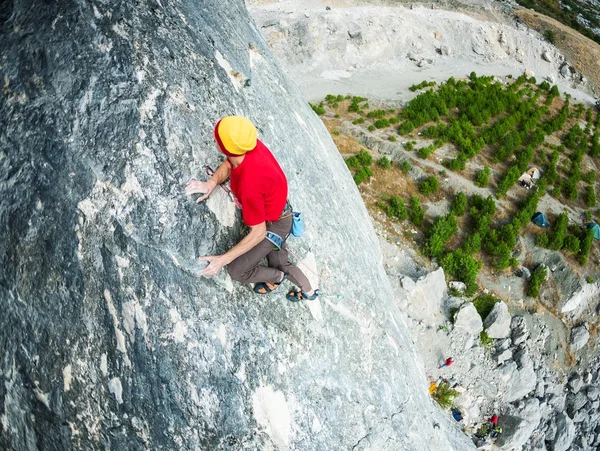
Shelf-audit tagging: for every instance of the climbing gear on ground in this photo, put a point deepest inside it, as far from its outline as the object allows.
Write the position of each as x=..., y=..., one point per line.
x=297, y=223
x=268, y=287
x=298, y=295
x=275, y=239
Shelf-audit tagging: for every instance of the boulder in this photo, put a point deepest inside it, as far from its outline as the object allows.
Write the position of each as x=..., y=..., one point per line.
x=565, y=71
x=519, y=332
x=426, y=295
x=503, y=356
x=523, y=272
x=575, y=383
x=468, y=319
x=565, y=433
x=354, y=31
x=546, y=56
x=497, y=323
x=519, y=382
x=579, y=337
x=457, y=285
x=593, y=392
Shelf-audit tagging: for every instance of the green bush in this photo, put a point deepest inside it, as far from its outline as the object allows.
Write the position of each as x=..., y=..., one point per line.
x=358, y=121
x=406, y=127
x=405, y=166
x=382, y=123
x=337, y=116
x=423, y=84
x=538, y=277
x=410, y=145
x=572, y=244
x=384, y=163
x=558, y=232
x=376, y=113
x=461, y=266
x=486, y=341
x=483, y=176
x=549, y=36
x=392, y=138
x=429, y=186
x=590, y=196
x=364, y=158
x=589, y=279
x=587, y=241
x=472, y=244
x=319, y=109
x=424, y=152
x=439, y=233
x=371, y=128
x=484, y=305
x=415, y=211
x=352, y=162
x=541, y=240
x=444, y=395
x=459, y=204
x=362, y=174
x=394, y=120
x=394, y=207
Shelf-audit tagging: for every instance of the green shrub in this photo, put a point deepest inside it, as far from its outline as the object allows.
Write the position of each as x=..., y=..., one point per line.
x=406, y=127
x=410, y=145
x=376, y=113
x=362, y=174
x=461, y=266
x=459, y=204
x=429, y=186
x=483, y=176
x=472, y=244
x=415, y=211
x=486, y=341
x=484, y=305
x=382, y=123
x=590, y=196
x=358, y=121
x=538, y=277
x=587, y=241
x=394, y=120
x=319, y=109
x=405, y=166
x=572, y=244
x=336, y=116
x=392, y=138
x=335, y=133
x=589, y=279
x=394, y=207
x=384, y=163
x=364, y=158
x=371, y=128
x=541, y=240
x=558, y=232
x=424, y=152
x=439, y=233
x=549, y=36
x=352, y=162
x=444, y=395
x=423, y=84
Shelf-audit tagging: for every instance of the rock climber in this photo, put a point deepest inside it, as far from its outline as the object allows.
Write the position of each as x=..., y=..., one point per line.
x=260, y=189
x=493, y=421
x=449, y=361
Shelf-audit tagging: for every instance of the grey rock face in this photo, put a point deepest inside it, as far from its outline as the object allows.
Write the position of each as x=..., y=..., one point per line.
x=518, y=382
x=519, y=330
x=108, y=338
x=579, y=337
x=468, y=319
x=565, y=433
x=497, y=323
x=575, y=383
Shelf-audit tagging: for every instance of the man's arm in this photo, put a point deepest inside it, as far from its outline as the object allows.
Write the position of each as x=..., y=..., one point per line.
x=220, y=175
x=216, y=262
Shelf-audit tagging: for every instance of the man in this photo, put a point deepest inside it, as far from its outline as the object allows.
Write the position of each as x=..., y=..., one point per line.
x=260, y=188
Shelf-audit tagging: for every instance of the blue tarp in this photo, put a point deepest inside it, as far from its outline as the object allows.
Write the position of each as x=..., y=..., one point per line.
x=595, y=228
x=539, y=219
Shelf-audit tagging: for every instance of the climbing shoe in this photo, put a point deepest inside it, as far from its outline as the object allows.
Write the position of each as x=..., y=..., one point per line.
x=298, y=295
x=268, y=287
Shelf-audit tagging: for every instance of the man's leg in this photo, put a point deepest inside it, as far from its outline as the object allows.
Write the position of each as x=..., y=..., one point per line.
x=280, y=259
x=247, y=269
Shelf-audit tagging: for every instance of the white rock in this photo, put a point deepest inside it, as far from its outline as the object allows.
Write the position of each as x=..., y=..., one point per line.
x=579, y=337
x=468, y=319
x=546, y=56
x=497, y=323
x=565, y=433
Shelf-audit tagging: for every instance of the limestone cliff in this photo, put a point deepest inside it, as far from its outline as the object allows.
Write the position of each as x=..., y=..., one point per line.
x=107, y=337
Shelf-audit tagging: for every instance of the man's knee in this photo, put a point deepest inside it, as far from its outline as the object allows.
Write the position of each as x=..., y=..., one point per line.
x=236, y=271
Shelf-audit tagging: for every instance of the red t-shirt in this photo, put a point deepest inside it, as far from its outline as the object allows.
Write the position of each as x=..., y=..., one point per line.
x=260, y=186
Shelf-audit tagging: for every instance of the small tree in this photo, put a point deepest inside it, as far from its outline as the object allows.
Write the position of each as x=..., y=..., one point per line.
x=384, y=163
x=444, y=395
x=538, y=277
x=415, y=212
x=483, y=177
x=429, y=186
x=459, y=204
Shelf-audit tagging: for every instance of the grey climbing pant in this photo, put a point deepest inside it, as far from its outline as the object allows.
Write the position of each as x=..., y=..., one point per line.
x=247, y=268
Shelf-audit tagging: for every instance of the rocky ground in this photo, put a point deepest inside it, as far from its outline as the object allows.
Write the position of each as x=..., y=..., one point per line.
x=540, y=374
